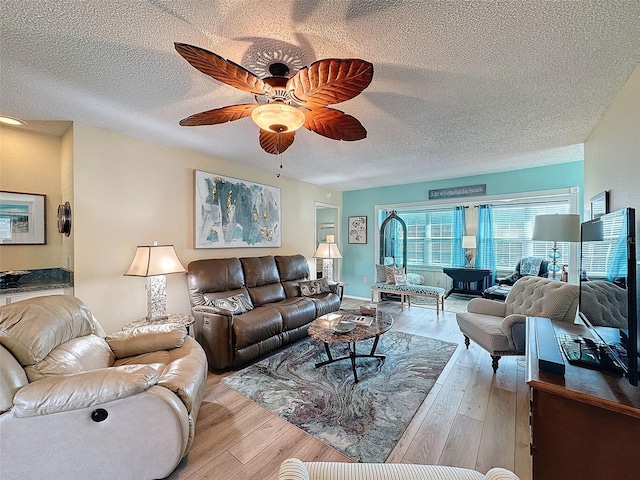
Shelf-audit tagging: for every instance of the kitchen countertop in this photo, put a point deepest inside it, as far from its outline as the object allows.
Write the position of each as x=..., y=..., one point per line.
x=41, y=279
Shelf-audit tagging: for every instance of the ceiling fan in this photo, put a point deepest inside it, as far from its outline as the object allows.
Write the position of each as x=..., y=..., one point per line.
x=282, y=103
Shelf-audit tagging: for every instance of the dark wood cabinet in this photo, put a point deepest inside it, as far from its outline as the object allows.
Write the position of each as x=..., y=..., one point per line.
x=584, y=425
x=470, y=281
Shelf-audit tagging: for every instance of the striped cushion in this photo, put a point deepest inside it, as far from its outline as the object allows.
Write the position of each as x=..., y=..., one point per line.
x=387, y=471
x=294, y=469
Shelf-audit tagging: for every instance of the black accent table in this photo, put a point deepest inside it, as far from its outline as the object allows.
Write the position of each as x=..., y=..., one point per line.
x=470, y=281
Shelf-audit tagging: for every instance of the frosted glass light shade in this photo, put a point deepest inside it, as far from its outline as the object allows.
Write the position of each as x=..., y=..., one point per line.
x=278, y=117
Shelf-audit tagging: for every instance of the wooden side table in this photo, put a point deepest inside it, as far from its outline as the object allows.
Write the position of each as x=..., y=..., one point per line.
x=179, y=318
x=470, y=281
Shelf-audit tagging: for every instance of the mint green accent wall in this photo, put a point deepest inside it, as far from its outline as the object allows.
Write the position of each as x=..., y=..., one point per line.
x=358, y=260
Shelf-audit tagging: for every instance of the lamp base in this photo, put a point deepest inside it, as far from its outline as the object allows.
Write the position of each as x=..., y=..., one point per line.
x=327, y=269
x=156, y=298
x=554, y=255
x=469, y=256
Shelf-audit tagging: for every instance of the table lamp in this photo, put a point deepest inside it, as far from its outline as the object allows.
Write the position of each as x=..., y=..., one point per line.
x=327, y=251
x=556, y=228
x=469, y=242
x=154, y=262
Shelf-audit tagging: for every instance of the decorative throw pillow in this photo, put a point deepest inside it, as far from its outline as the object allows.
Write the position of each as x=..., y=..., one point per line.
x=400, y=279
x=236, y=304
x=391, y=273
x=314, y=287
x=415, y=279
x=381, y=275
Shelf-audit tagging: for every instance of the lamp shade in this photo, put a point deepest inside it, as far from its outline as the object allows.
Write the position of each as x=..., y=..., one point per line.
x=154, y=260
x=557, y=228
x=278, y=117
x=468, y=241
x=327, y=250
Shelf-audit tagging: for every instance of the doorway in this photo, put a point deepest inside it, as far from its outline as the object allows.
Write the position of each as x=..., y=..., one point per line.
x=327, y=223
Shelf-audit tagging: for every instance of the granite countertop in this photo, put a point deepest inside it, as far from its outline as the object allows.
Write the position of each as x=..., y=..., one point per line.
x=40, y=279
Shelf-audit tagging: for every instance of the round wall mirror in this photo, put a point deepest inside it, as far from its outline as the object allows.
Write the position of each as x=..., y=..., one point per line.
x=64, y=218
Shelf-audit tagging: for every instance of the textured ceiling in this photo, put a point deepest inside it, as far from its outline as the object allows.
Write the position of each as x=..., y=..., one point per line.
x=460, y=88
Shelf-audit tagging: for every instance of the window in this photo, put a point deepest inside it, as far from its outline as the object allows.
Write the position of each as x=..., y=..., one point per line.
x=429, y=236
x=430, y=230
x=513, y=227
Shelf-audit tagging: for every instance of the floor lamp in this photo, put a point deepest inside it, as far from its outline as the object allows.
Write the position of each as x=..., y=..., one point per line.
x=556, y=228
x=327, y=251
x=154, y=262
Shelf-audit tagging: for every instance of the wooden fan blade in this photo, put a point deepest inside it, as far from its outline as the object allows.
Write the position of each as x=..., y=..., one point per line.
x=275, y=143
x=219, y=115
x=334, y=124
x=221, y=69
x=330, y=81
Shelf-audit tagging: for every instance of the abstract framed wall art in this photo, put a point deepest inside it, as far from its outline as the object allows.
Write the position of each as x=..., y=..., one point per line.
x=234, y=213
x=22, y=218
x=357, y=229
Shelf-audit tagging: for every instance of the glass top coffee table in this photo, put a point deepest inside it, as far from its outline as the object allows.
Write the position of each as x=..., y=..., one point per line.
x=322, y=329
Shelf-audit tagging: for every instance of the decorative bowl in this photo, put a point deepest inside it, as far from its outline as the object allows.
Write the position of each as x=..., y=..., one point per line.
x=344, y=327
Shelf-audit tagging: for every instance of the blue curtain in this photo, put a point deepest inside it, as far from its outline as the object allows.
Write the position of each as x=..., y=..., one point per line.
x=485, y=243
x=457, y=252
x=618, y=266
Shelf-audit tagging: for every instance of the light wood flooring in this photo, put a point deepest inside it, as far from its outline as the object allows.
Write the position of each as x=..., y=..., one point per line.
x=471, y=418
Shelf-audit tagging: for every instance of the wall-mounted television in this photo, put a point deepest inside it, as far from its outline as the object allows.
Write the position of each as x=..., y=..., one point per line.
x=608, y=301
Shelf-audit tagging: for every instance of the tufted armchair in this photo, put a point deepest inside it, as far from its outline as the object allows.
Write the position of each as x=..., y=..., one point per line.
x=76, y=404
x=604, y=304
x=294, y=469
x=499, y=327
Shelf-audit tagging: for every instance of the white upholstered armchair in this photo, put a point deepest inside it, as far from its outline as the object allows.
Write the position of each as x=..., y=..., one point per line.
x=294, y=469
x=499, y=327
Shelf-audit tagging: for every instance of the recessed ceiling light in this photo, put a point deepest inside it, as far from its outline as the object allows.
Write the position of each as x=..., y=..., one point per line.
x=11, y=121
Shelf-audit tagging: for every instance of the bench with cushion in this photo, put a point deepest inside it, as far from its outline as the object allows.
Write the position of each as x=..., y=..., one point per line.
x=411, y=285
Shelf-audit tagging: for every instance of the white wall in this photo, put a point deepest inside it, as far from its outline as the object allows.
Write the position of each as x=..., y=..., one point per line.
x=130, y=192
x=612, y=151
x=30, y=163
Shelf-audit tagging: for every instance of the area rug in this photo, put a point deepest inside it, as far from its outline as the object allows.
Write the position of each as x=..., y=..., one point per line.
x=362, y=420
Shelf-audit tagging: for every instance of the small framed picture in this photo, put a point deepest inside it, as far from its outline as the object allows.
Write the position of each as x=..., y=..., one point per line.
x=22, y=218
x=600, y=204
x=357, y=229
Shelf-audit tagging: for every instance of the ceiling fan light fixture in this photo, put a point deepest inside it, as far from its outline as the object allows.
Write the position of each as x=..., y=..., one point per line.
x=5, y=119
x=278, y=117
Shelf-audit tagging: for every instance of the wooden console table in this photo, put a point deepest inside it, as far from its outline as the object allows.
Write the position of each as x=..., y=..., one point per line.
x=470, y=281
x=584, y=425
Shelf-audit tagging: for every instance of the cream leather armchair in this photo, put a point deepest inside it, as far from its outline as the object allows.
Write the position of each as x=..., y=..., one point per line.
x=76, y=404
x=499, y=327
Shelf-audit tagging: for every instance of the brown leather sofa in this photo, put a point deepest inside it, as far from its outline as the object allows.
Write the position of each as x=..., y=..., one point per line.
x=280, y=313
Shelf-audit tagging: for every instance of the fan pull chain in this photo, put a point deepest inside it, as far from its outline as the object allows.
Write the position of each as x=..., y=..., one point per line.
x=279, y=157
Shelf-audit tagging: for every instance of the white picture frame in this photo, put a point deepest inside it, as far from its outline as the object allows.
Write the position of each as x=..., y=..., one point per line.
x=357, y=229
x=22, y=218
